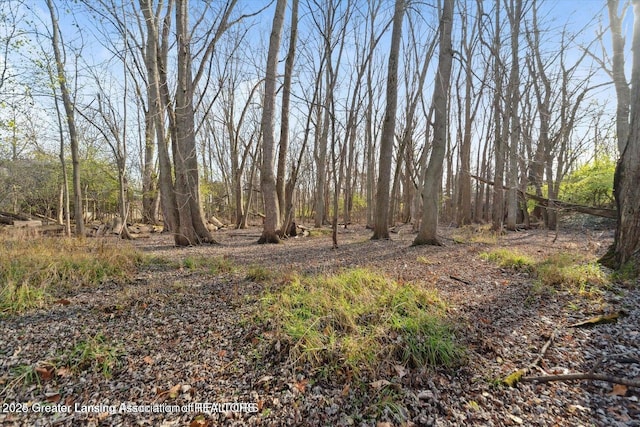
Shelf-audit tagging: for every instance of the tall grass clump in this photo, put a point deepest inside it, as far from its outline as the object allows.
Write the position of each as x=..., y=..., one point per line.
x=357, y=322
x=571, y=272
x=509, y=259
x=475, y=234
x=31, y=269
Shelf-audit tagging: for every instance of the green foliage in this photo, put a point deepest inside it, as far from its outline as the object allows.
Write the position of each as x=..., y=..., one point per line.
x=590, y=184
x=627, y=273
x=31, y=269
x=100, y=178
x=33, y=184
x=30, y=185
x=357, y=321
x=320, y=232
x=25, y=374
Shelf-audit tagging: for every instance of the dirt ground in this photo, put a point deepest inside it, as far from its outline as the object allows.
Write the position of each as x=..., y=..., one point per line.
x=185, y=337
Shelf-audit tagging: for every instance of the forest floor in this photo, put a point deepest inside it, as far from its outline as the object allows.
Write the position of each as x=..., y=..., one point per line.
x=183, y=335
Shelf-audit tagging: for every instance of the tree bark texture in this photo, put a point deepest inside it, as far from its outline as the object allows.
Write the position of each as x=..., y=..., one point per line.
x=267, y=178
x=427, y=234
x=381, y=225
x=626, y=246
x=191, y=228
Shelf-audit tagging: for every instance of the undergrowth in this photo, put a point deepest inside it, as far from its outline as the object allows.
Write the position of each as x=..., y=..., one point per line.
x=562, y=271
x=475, y=234
x=95, y=353
x=260, y=274
x=509, y=259
x=30, y=270
x=358, y=322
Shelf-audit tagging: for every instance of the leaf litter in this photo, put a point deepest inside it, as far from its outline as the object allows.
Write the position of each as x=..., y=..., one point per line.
x=188, y=336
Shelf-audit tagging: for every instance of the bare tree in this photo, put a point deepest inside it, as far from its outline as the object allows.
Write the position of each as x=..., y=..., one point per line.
x=499, y=134
x=381, y=226
x=70, y=115
x=284, y=115
x=514, y=14
x=427, y=235
x=267, y=178
x=155, y=59
x=472, y=99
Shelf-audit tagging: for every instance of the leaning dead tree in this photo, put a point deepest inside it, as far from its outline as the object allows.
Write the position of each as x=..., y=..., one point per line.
x=558, y=204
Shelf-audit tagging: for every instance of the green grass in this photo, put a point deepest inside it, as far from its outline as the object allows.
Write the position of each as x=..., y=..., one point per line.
x=320, y=232
x=30, y=270
x=475, y=234
x=627, y=273
x=563, y=271
x=509, y=259
x=571, y=272
x=260, y=274
x=25, y=374
x=93, y=353
x=358, y=322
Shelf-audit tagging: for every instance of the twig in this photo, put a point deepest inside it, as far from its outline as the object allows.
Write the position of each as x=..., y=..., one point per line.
x=460, y=280
x=517, y=376
x=584, y=376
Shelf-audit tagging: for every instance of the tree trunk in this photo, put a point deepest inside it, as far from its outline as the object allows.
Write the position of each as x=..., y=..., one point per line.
x=427, y=235
x=626, y=246
x=381, y=226
x=514, y=14
x=191, y=229
x=149, y=177
x=284, y=116
x=70, y=115
x=620, y=81
x=498, y=144
x=155, y=58
x=267, y=178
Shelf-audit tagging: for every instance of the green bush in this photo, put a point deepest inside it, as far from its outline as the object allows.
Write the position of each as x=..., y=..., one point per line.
x=590, y=184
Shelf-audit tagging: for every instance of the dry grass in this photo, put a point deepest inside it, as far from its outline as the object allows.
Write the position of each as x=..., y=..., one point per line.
x=31, y=270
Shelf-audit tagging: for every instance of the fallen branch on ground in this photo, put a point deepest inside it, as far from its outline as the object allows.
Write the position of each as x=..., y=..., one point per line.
x=514, y=378
x=605, y=318
x=583, y=376
x=466, y=282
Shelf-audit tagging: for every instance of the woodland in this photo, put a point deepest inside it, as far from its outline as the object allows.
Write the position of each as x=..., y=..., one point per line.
x=331, y=212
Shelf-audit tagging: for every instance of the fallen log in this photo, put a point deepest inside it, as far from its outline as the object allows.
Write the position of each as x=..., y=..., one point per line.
x=19, y=217
x=29, y=223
